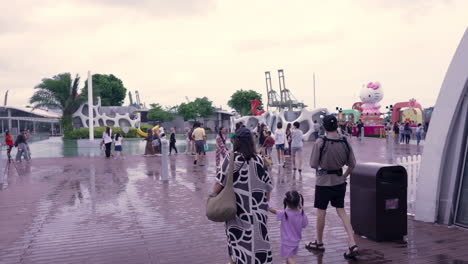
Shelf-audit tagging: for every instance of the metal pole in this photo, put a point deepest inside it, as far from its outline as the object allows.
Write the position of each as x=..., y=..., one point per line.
x=315, y=106
x=90, y=106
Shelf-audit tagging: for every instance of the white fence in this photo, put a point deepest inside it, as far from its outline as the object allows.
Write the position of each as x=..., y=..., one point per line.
x=412, y=165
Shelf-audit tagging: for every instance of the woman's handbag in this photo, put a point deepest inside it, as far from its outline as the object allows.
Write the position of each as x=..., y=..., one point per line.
x=155, y=143
x=223, y=207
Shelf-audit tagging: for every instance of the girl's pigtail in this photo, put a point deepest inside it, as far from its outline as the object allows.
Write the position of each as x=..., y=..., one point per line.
x=302, y=203
x=285, y=205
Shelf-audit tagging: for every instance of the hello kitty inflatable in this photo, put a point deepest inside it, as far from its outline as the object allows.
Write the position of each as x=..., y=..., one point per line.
x=371, y=94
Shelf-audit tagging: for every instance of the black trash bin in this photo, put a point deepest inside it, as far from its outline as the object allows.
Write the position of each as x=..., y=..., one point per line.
x=379, y=201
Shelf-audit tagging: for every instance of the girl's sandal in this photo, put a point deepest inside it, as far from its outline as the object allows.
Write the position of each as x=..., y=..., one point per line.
x=315, y=246
x=353, y=253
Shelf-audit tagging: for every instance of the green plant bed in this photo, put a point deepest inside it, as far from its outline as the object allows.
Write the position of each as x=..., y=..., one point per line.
x=98, y=131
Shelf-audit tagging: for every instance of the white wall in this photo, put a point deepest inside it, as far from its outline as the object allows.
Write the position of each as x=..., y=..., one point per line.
x=436, y=166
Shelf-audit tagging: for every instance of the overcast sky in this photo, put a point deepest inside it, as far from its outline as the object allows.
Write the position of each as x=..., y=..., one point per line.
x=175, y=48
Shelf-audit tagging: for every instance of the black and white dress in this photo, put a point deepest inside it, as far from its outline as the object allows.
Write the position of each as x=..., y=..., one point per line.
x=247, y=233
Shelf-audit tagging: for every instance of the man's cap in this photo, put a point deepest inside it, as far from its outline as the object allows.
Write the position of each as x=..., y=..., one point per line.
x=330, y=123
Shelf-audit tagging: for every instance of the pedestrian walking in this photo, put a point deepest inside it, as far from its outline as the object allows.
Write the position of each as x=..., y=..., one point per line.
x=262, y=135
x=27, y=136
x=149, y=149
x=280, y=139
x=287, y=143
x=247, y=232
x=199, y=137
x=408, y=132
x=268, y=146
x=9, y=143
x=118, y=146
x=316, y=130
x=189, y=141
x=221, y=148
x=172, y=142
x=419, y=133
x=296, y=146
x=329, y=154
x=293, y=220
x=349, y=127
x=107, y=140
x=401, y=128
x=20, y=143
x=360, y=128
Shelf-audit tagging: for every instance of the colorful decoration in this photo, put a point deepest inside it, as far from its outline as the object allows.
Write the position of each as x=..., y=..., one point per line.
x=412, y=104
x=357, y=106
x=370, y=95
x=253, y=107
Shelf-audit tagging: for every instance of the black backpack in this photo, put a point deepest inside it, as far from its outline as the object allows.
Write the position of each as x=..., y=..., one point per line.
x=343, y=140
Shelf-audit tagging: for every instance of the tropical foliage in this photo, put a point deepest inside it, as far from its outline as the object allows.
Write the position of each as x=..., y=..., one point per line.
x=59, y=92
x=201, y=107
x=158, y=113
x=109, y=88
x=240, y=101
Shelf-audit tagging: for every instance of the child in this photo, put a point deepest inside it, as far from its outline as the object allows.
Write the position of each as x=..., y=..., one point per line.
x=293, y=220
x=268, y=146
x=118, y=146
x=172, y=142
x=9, y=143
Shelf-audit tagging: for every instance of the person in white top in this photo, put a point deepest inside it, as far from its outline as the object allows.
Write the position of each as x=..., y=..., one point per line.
x=118, y=146
x=280, y=139
x=107, y=140
x=296, y=146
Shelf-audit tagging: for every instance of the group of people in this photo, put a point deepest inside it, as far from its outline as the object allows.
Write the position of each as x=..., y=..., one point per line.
x=287, y=142
x=247, y=232
x=106, y=144
x=153, y=141
x=404, y=130
x=21, y=143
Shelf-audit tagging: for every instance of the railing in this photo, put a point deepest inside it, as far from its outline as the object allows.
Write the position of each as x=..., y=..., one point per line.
x=412, y=164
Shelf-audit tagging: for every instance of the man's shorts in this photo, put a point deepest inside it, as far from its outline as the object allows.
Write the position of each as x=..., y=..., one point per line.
x=295, y=151
x=280, y=146
x=200, y=146
x=330, y=194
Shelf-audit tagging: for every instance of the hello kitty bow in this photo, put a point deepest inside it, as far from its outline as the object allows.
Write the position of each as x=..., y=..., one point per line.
x=372, y=85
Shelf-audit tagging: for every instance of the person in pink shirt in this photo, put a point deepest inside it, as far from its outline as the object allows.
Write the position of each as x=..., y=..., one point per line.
x=293, y=220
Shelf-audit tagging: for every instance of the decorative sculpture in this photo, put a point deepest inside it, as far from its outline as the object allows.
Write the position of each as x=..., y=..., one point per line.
x=253, y=107
x=370, y=95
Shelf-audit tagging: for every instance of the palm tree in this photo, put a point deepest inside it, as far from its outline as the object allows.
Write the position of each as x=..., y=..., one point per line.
x=59, y=92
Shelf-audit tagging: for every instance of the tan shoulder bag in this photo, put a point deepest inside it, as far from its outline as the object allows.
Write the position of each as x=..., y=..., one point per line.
x=223, y=207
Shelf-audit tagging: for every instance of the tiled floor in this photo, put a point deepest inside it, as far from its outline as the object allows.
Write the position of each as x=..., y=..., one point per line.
x=84, y=210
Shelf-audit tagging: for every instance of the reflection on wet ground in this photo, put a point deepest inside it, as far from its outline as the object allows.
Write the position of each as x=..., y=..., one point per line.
x=92, y=210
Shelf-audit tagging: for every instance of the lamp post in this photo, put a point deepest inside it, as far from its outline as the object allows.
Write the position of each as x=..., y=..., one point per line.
x=389, y=112
x=340, y=113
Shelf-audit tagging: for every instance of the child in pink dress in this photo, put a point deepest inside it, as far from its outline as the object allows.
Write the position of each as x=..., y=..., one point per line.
x=293, y=220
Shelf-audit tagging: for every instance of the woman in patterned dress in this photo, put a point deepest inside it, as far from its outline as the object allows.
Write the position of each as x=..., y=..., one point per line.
x=247, y=233
x=221, y=148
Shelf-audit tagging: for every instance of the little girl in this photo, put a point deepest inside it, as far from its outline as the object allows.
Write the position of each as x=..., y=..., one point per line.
x=118, y=146
x=293, y=220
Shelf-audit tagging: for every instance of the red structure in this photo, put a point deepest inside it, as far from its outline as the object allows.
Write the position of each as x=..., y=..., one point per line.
x=397, y=107
x=253, y=107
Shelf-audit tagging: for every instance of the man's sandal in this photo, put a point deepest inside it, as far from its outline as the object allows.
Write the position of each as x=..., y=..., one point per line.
x=353, y=253
x=315, y=246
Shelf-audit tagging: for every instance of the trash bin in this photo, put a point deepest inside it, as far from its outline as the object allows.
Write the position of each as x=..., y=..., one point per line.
x=379, y=201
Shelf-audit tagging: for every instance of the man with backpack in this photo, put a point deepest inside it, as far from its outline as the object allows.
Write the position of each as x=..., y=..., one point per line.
x=329, y=154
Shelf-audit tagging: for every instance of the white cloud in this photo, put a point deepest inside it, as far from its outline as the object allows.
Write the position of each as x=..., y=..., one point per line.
x=208, y=48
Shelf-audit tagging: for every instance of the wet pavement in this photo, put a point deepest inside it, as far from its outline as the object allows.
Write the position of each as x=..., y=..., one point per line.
x=92, y=210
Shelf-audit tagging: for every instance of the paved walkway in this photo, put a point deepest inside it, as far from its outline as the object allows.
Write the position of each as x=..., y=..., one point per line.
x=84, y=210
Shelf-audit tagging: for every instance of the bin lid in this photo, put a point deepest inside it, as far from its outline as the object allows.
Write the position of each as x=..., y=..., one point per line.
x=370, y=173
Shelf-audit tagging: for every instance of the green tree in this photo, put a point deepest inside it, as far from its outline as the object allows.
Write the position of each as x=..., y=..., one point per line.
x=158, y=113
x=204, y=107
x=187, y=111
x=109, y=88
x=240, y=101
x=59, y=92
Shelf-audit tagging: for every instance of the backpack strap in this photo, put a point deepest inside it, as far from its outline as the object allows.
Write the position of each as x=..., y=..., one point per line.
x=322, y=148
